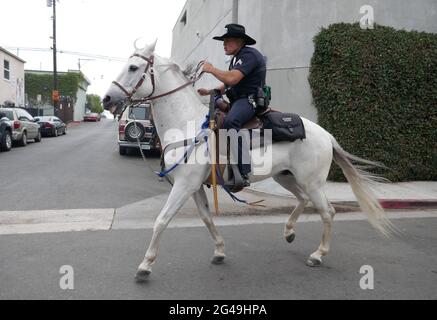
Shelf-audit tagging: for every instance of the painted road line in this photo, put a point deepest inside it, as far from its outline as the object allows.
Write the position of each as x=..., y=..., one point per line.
x=48, y=221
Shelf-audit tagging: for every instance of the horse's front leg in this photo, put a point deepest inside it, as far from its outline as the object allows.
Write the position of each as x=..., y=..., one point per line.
x=179, y=194
x=205, y=214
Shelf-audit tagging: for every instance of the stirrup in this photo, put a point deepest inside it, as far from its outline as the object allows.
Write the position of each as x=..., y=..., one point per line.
x=236, y=182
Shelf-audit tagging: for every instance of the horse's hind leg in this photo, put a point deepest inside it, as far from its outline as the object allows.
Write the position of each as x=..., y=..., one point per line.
x=289, y=183
x=205, y=214
x=327, y=212
x=177, y=198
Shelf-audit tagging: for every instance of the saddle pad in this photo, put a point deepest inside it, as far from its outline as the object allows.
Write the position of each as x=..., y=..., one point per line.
x=284, y=126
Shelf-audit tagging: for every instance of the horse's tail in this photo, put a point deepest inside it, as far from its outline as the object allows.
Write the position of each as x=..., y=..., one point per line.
x=359, y=179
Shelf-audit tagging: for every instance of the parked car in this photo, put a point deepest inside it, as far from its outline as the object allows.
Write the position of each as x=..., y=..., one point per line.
x=5, y=133
x=92, y=117
x=24, y=127
x=51, y=126
x=136, y=124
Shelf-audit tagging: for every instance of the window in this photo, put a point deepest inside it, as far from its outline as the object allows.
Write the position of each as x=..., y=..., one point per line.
x=6, y=72
x=24, y=114
x=140, y=113
x=184, y=19
x=9, y=115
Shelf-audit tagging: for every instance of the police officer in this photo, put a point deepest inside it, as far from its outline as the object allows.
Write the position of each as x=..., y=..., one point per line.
x=247, y=72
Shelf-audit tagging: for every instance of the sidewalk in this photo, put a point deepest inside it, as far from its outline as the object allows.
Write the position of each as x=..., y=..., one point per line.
x=404, y=195
x=73, y=124
x=277, y=203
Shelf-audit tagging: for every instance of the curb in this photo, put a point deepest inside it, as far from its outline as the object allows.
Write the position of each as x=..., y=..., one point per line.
x=394, y=204
x=407, y=203
x=385, y=203
x=73, y=124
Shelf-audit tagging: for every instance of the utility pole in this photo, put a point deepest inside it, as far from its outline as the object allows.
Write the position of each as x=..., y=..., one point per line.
x=235, y=6
x=55, y=93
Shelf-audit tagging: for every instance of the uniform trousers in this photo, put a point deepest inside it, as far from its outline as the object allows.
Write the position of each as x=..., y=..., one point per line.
x=240, y=113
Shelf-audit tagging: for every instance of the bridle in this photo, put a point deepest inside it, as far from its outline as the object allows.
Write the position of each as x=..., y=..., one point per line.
x=150, y=66
x=150, y=62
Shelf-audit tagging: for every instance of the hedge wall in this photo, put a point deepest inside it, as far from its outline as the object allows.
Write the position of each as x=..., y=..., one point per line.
x=42, y=84
x=376, y=92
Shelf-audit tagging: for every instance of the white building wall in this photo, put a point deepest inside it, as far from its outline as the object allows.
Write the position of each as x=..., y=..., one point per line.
x=284, y=30
x=80, y=106
x=12, y=89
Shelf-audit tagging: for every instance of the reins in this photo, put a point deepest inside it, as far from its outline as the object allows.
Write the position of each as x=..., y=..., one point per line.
x=150, y=66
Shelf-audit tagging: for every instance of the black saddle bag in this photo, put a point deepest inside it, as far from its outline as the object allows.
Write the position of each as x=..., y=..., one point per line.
x=284, y=126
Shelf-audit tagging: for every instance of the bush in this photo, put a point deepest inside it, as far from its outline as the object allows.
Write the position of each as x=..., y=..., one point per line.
x=42, y=84
x=376, y=92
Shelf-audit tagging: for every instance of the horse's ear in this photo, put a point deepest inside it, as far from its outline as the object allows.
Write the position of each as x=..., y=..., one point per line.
x=153, y=45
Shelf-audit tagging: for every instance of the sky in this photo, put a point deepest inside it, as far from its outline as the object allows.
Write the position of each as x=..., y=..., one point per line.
x=98, y=27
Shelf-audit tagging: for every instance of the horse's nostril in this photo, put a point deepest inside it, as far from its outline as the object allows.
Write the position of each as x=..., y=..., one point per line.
x=107, y=99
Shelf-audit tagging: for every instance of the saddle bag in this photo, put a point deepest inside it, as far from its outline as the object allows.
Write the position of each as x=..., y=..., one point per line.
x=284, y=126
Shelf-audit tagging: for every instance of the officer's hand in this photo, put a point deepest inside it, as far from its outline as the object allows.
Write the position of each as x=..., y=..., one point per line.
x=204, y=92
x=207, y=67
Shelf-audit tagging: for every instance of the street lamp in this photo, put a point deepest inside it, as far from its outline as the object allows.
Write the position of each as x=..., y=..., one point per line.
x=55, y=93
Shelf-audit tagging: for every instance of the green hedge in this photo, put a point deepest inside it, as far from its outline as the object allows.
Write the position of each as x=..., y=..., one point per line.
x=376, y=92
x=42, y=84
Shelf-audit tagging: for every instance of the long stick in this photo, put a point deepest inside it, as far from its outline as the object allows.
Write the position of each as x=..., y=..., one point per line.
x=212, y=126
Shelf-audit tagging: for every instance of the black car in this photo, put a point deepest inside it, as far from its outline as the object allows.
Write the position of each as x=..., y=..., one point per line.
x=5, y=133
x=51, y=126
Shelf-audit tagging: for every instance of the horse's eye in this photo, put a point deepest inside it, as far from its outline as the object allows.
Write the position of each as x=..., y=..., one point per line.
x=133, y=68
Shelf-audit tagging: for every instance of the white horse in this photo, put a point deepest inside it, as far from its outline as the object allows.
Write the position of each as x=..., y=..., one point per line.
x=307, y=161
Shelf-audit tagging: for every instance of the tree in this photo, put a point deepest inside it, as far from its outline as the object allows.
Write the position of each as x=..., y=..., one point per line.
x=94, y=103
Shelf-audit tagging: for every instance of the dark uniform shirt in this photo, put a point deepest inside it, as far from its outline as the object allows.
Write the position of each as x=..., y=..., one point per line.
x=252, y=64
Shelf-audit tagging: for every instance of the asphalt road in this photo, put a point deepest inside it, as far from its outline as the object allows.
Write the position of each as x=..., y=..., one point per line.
x=84, y=170
x=81, y=170
x=259, y=265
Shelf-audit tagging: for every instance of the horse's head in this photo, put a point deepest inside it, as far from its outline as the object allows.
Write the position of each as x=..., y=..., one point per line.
x=135, y=81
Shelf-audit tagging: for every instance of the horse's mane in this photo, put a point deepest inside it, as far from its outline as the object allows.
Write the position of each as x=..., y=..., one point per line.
x=190, y=71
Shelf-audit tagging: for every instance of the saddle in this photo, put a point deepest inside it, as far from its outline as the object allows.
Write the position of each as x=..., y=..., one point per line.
x=284, y=126
x=232, y=177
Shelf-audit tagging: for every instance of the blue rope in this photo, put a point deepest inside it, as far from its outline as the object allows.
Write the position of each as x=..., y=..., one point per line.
x=162, y=174
x=204, y=127
x=222, y=184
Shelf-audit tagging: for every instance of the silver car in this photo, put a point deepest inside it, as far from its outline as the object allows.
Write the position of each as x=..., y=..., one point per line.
x=23, y=125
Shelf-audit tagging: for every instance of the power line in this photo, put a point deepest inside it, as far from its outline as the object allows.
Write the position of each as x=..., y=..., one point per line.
x=74, y=53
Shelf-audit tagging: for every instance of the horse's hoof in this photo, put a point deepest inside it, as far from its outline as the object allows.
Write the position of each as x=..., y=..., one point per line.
x=313, y=262
x=142, y=275
x=290, y=238
x=218, y=260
